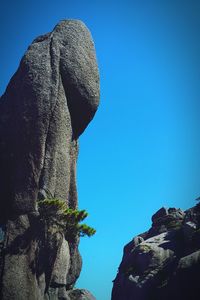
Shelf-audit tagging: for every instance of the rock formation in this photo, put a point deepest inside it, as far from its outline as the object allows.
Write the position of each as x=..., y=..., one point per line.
x=163, y=263
x=47, y=105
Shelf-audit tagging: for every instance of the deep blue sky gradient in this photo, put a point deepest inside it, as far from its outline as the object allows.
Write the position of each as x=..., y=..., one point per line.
x=142, y=150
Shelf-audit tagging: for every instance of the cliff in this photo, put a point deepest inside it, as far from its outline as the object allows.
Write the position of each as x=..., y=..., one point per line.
x=164, y=262
x=48, y=103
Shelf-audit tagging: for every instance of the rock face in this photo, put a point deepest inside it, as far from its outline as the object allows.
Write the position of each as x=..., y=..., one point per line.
x=163, y=263
x=48, y=103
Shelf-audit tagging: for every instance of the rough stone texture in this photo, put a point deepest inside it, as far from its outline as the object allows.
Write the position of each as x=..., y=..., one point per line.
x=80, y=295
x=75, y=265
x=48, y=103
x=162, y=264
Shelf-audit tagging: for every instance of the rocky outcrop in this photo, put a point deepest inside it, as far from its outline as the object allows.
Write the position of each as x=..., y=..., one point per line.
x=80, y=295
x=164, y=262
x=48, y=103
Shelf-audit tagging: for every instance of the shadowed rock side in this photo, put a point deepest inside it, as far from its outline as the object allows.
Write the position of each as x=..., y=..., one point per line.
x=163, y=263
x=47, y=105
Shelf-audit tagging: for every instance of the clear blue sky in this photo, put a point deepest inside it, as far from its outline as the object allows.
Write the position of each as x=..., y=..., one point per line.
x=142, y=150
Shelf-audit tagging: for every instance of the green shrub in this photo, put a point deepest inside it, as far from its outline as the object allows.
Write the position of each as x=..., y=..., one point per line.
x=55, y=211
x=51, y=206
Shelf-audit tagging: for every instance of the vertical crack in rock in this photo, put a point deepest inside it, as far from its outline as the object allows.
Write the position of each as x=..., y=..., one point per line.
x=48, y=103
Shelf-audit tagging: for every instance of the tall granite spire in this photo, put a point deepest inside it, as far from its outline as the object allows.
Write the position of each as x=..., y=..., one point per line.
x=48, y=103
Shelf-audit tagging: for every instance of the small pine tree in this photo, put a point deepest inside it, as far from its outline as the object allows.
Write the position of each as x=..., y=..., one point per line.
x=68, y=219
